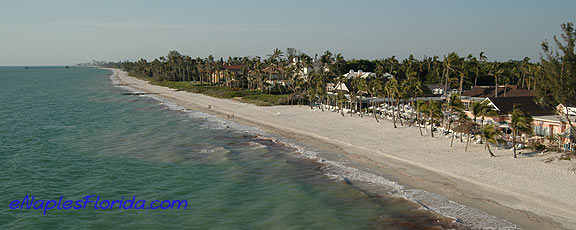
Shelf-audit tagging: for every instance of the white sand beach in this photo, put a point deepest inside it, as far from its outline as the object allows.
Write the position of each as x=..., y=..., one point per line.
x=526, y=191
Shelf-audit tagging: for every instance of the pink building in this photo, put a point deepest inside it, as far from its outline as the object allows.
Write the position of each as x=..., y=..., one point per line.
x=546, y=124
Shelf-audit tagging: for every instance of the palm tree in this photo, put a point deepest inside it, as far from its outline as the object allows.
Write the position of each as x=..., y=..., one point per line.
x=455, y=107
x=482, y=109
x=402, y=93
x=491, y=135
x=354, y=94
x=391, y=88
x=362, y=86
x=449, y=62
x=415, y=90
x=434, y=110
x=481, y=60
x=275, y=61
x=421, y=108
x=497, y=70
x=340, y=98
x=374, y=89
x=464, y=71
x=520, y=123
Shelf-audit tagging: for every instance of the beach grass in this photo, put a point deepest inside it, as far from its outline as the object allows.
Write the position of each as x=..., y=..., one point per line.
x=244, y=95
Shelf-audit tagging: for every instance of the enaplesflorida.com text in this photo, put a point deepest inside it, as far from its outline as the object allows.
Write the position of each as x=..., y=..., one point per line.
x=93, y=201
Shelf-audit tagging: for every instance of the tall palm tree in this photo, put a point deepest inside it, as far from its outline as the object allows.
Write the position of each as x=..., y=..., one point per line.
x=497, y=71
x=420, y=108
x=275, y=60
x=482, y=59
x=374, y=89
x=491, y=135
x=434, y=110
x=463, y=71
x=482, y=109
x=340, y=98
x=354, y=94
x=402, y=93
x=415, y=90
x=455, y=107
x=362, y=89
x=391, y=88
x=449, y=62
x=520, y=122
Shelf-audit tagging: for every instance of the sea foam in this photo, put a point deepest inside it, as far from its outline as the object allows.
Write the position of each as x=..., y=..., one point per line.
x=463, y=215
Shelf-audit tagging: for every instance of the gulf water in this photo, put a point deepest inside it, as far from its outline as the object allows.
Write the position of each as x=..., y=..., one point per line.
x=69, y=132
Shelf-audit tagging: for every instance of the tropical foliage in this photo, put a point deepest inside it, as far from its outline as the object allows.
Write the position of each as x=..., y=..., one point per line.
x=293, y=77
x=520, y=122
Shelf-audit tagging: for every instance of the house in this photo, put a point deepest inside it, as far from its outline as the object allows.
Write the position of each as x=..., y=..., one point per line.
x=341, y=86
x=304, y=72
x=359, y=74
x=437, y=89
x=571, y=111
x=504, y=103
x=556, y=127
x=274, y=76
x=219, y=75
x=546, y=123
x=330, y=87
x=479, y=93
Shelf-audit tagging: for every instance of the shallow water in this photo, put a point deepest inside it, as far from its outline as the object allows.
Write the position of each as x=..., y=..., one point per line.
x=69, y=132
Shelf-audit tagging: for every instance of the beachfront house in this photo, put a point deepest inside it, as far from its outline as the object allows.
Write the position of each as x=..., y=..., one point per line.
x=480, y=93
x=546, y=124
x=438, y=89
x=274, y=76
x=571, y=111
x=316, y=66
x=359, y=74
x=341, y=87
x=227, y=73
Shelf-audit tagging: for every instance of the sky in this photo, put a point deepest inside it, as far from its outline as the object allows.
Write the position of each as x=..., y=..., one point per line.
x=61, y=32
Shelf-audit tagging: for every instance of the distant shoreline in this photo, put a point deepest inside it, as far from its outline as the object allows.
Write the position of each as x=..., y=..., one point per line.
x=504, y=187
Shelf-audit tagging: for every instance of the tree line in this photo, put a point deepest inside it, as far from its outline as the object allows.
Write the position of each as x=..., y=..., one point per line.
x=551, y=78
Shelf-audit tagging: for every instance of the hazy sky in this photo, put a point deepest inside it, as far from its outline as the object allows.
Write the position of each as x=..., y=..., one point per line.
x=69, y=32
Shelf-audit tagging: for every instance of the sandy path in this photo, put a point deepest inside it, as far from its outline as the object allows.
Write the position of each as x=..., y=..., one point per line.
x=522, y=186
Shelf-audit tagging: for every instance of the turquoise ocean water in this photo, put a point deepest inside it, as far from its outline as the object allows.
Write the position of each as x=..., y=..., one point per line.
x=69, y=132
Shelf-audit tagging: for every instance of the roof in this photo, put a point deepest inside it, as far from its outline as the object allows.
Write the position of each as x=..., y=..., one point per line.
x=342, y=87
x=488, y=91
x=566, y=109
x=506, y=104
x=352, y=74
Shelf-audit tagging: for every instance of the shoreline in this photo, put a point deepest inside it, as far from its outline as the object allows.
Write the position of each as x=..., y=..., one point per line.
x=483, y=188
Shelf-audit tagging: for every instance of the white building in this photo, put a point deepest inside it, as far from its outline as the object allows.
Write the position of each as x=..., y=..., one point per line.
x=352, y=74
